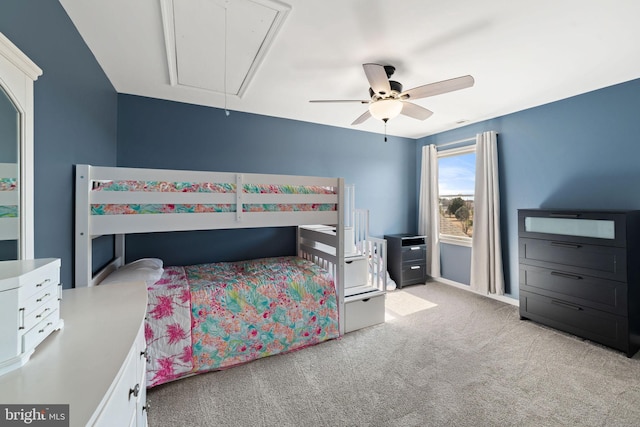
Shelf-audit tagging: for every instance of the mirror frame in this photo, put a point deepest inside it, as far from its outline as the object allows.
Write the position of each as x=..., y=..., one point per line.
x=17, y=74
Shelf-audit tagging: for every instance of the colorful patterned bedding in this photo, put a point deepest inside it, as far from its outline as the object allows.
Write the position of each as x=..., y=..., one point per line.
x=8, y=211
x=129, y=209
x=214, y=316
x=206, y=187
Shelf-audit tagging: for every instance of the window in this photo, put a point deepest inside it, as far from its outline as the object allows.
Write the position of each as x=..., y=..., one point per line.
x=456, y=187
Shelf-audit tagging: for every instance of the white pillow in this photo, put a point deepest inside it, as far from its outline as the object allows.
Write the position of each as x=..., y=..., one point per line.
x=148, y=270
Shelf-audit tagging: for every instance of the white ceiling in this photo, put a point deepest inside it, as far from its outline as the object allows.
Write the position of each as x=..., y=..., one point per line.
x=521, y=54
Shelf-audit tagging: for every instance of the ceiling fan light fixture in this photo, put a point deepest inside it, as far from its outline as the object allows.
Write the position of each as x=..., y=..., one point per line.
x=385, y=109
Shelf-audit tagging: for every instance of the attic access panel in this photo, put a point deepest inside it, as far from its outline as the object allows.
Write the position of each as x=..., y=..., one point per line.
x=196, y=37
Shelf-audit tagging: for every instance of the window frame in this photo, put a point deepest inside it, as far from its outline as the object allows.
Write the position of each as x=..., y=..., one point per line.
x=451, y=152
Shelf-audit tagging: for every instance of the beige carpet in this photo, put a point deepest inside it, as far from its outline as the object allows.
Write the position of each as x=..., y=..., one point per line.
x=445, y=357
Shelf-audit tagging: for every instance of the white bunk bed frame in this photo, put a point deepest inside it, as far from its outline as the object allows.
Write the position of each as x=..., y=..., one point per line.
x=326, y=250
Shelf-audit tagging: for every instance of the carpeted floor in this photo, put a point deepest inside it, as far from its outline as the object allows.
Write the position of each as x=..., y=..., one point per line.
x=445, y=357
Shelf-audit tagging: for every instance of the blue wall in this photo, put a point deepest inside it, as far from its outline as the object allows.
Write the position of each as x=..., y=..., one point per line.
x=455, y=263
x=75, y=117
x=164, y=134
x=578, y=153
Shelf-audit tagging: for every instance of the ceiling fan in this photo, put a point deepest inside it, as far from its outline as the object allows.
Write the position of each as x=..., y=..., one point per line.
x=388, y=100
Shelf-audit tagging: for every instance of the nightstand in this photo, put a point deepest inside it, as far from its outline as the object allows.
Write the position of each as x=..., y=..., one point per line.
x=407, y=259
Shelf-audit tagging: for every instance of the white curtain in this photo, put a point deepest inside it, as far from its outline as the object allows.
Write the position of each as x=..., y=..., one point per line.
x=486, y=253
x=428, y=210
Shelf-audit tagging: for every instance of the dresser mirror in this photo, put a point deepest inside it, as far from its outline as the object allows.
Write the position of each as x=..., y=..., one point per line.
x=17, y=74
x=9, y=184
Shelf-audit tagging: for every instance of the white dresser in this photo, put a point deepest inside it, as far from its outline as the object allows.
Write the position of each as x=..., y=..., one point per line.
x=29, y=308
x=96, y=364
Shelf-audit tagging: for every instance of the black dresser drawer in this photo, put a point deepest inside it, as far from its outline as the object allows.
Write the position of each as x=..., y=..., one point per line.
x=595, y=228
x=605, y=328
x=606, y=295
x=605, y=262
x=415, y=253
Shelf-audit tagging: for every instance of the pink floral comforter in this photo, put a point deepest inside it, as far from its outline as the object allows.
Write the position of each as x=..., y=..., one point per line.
x=214, y=316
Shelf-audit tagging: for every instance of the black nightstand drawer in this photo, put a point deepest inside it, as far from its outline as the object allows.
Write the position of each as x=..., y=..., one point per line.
x=411, y=254
x=413, y=274
x=606, y=295
x=605, y=328
x=598, y=261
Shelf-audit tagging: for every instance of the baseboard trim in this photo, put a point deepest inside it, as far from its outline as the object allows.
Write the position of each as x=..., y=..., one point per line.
x=501, y=298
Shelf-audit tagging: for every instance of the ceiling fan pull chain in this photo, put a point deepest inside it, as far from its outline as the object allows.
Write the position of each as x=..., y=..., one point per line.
x=385, y=130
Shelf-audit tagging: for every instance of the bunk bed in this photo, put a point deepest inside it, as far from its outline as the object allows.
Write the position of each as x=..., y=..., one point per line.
x=205, y=317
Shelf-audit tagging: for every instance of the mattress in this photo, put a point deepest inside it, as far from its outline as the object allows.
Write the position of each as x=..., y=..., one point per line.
x=206, y=187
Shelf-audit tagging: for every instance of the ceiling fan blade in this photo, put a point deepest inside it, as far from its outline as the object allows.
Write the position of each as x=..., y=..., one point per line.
x=438, y=88
x=378, y=79
x=362, y=118
x=415, y=111
x=341, y=100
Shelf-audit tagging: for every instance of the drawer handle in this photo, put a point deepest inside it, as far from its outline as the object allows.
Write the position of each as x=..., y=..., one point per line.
x=415, y=267
x=143, y=353
x=43, y=312
x=566, y=305
x=22, y=311
x=566, y=275
x=41, y=284
x=45, y=328
x=135, y=391
x=415, y=248
x=146, y=407
x=43, y=297
x=566, y=245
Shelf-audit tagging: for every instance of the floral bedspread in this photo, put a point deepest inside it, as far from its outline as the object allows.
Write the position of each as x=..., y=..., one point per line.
x=167, y=327
x=218, y=315
x=8, y=211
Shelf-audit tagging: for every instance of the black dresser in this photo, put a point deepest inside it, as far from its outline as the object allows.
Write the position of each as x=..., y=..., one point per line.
x=407, y=259
x=580, y=273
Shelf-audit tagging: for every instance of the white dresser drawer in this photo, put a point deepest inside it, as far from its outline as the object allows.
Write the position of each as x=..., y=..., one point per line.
x=125, y=398
x=39, y=279
x=40, y=298
x=126, y=404
x=42, y=311
x=140, y=347
x=141, y=352
x=361, y=313
x=120, y=409
x=40, y=331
